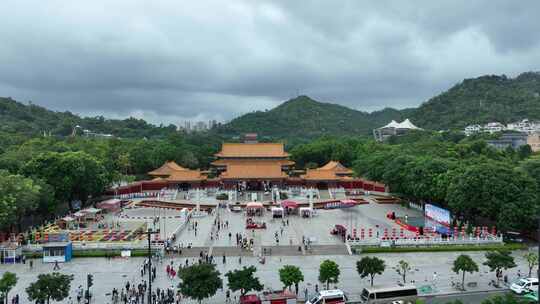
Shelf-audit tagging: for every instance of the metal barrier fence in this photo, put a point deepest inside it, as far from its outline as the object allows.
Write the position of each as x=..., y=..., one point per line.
x=427, y=241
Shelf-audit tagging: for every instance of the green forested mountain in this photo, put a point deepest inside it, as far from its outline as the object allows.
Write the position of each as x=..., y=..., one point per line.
x=31, y=120
x=481, y=100
x=478, y=100
x=303, y=117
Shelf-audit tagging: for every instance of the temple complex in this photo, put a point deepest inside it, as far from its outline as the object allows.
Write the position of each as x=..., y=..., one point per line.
x=251, y=166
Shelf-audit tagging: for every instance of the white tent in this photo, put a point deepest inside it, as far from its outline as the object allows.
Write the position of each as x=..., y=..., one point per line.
x=392, y=124
x=406, y=124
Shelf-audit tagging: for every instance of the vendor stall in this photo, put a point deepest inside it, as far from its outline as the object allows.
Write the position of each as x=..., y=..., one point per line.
x=290, y=206
x=91, y=214
x=10, y=253
x=112, y=205
x=277, y=212
x=254, y=208
x=57, y=252
x=67, y=222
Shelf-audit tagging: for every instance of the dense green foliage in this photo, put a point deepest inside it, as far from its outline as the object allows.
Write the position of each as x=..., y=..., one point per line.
x=244, y=280
x=481, y=100
x=507, y=298
x=31, y=120
x=467, y=176
x=498, y=260
x=305, y=118
x=199, y=281
x=464, y=264
x=7, y=282
x=289, y=275
x=81, y=168
x=329, y=273
x=54, y=286
x=371, y=266
x=18, y=196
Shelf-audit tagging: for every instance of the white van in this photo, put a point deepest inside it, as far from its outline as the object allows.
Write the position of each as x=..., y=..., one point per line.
x=335, y=296
x=378, y=294
x=524, y=285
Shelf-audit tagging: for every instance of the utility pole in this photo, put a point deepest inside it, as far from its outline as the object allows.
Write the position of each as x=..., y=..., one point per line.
x=149, y=233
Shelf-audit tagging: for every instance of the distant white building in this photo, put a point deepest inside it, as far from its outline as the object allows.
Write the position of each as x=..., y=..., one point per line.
x=524, y=126
x=394, y=129
x=494, y=127
x=472, y=129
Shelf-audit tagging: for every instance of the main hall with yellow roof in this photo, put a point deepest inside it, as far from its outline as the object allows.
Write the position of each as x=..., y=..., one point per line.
x=252, y=164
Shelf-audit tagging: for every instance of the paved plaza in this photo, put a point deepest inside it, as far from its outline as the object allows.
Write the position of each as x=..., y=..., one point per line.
x=201, y=234
x=316, y=229
x=112, y=273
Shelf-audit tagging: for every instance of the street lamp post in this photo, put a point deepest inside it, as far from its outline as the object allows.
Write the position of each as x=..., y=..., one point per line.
x=149, y=233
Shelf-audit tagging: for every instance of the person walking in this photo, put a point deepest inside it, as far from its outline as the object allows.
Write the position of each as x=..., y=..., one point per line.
x=228, y=296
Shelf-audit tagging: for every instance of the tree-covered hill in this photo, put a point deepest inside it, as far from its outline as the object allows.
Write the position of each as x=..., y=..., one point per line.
x=477, y=100
x=31, y=120
x=303, y=117
x=481, y=100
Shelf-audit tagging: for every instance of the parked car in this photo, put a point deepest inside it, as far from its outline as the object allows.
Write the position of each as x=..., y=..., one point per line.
x=523, y=286
x=513, y=237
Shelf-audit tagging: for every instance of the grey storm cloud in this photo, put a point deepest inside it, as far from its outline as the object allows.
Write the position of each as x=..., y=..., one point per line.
x=168, y=61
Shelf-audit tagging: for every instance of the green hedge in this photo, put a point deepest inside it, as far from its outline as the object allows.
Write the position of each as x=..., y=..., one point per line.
x=514, y=246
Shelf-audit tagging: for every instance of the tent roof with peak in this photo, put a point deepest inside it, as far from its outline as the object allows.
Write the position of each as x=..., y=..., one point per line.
x=407, y=124
x=392, y=124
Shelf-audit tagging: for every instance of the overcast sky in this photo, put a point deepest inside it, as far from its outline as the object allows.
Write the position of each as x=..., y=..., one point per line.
x=168, y=61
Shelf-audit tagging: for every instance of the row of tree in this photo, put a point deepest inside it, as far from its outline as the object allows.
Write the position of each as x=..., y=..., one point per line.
x=473, y=180
x=47, y=175
x=48, y=286
x=202, y=281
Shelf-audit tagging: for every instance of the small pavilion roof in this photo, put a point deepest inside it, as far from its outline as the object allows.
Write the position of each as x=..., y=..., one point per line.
x=332, y=171
x=336, y=167
x=167, y=169
x=186, y=176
